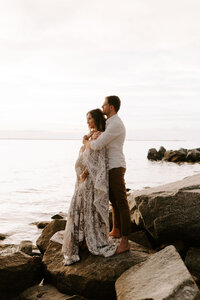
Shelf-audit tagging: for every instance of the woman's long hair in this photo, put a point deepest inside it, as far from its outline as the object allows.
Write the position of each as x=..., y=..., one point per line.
x=99, y=119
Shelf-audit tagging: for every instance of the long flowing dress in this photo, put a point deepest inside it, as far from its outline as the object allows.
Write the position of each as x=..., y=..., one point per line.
x=88, y=215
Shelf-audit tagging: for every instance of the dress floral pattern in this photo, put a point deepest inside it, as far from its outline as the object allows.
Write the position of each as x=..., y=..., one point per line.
x=88, y=215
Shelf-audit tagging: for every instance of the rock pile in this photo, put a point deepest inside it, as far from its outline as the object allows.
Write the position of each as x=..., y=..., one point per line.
x=181, y=155
x=163, y=262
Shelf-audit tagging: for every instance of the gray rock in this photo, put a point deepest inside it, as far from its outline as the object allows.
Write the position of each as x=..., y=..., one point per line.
x=54, y=226
x=162, y=276
x=26, y=247
x=172, y=211
x=192, y=261
x=46, y=292
x=18, y=271
x=93, y=276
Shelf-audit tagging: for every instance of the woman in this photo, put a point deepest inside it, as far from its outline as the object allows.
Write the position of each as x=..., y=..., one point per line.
x=88, y=215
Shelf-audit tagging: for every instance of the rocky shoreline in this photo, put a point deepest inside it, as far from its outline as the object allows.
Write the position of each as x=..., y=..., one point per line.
x=176, y=156
x=163, y=262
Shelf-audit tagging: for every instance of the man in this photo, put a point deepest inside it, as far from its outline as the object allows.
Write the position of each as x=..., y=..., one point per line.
x=113, y=138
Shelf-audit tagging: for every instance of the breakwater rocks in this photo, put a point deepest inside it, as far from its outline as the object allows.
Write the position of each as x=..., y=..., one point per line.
x=163, y=261
x=181, y=155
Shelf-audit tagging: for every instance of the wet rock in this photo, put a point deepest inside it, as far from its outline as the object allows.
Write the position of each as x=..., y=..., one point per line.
x=93, y=276
x=162, y=276
x=168, y=155
x=3, y=236
x=172, y=211
x=41, y=225
x=26, y=247
x=54, y=226
x=60, y=215
x=57, y=216
x=161, y=152
x=174, y=156
x=153, y=154
x=46, y=292
x=193, y=155
x=18, y=271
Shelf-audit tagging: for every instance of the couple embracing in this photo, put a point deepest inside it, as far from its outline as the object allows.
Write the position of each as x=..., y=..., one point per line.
x=100, y=170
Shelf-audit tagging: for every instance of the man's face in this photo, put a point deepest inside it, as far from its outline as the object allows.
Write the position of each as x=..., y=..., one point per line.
x=106, y=107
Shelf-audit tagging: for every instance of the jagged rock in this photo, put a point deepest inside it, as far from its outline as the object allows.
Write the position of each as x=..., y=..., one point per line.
x=140, y=237
x=171, y=211
x=26, y=247
x=175, y=156
x=192, y=261
x=153, y=154
x=46, y=292
x=162, y=276
x=93, y=276
x=60, y=215
x=18, y=271
x=57, y=217
x=3, y=236
x=193, y=155
x=41, y=225
x=168, y=155
x=162, y=151
x=54, y=226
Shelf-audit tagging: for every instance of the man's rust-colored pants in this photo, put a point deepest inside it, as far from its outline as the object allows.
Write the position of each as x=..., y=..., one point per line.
x=118, y=198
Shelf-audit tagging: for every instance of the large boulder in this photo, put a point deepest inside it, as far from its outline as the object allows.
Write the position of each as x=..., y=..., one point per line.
x=192, y=261
x=46, y=292
x=93, y=276
x=162, y=276
x=54, y=226
x=18, y=271
x=171, y=211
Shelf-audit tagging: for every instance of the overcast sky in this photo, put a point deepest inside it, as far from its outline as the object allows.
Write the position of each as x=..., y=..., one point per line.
x=60, y=58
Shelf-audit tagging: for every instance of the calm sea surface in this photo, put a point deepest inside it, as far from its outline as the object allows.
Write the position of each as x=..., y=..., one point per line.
x=37, y=178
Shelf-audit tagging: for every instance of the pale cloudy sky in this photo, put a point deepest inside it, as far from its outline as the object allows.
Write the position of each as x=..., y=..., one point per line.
x=60, y=58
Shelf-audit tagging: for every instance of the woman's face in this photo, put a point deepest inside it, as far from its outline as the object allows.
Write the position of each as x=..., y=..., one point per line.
x=90, y=121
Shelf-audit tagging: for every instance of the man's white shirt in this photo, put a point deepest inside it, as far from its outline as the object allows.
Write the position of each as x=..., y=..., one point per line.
x=113, y=139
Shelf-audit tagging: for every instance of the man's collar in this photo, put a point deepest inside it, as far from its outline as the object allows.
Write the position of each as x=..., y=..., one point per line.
x=111, y=118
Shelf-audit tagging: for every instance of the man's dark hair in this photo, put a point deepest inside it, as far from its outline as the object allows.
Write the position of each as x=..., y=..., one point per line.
x=99, y=119
x=115, y=101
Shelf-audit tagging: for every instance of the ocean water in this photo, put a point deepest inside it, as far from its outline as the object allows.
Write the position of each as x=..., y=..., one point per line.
x=37, y=179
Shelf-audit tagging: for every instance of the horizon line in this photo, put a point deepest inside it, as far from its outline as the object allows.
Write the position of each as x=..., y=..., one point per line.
x=78, y=139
